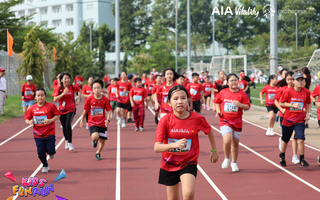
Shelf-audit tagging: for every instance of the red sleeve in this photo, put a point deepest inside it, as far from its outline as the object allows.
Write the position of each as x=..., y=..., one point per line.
x=308, y=100
x=87, y=104
x=315, y=92
x=108, y=106
x=29, y=115
x=145, y=93
x=217, y=99
x=54, y=110
x=204, y=125
x=264, y=90
x=56, y=91
x=76, y=88
x=131, y=93
x=84, y=89
x=284, y=97
x=22, y=88
x=161, y=131
x=82, y=80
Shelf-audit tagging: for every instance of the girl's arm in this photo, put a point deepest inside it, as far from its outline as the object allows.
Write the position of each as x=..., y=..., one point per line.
x=246, y=88
x=160, y=147
x=279, y=107
x=156, y=103
x=218, y=109
x=57, y=98
x=261, y=98
x=240, y=105
x=213, y=155
x=285, y=104
x=82, y=117
x=53, y=119
x=29, y=122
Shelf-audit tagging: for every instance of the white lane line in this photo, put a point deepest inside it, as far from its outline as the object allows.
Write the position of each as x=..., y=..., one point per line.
x=118, y=190
x=276, y=165
x=40, y=166
x=311, y=147
x=204, y=174
x=7, y=140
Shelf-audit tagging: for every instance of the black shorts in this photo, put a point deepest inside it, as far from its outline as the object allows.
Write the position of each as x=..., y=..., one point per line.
x=205, y=97
x=196, y=105
x=101, y=130
x=271, y=108
x=149, y=95
x=123, y=105
x=172, y=178
x=298, y=132
x=129, y=107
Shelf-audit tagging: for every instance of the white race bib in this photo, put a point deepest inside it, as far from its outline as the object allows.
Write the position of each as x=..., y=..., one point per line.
x=229, y=107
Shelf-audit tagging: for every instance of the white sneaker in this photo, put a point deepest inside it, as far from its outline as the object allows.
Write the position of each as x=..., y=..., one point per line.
x=111, y=116
x=70, y=146
x=234, y=167
x=136, y=129
x=225, y=163
x=268, y=132
x=280, y=143
x=119, y=121
x=87, y=126
x=45, y=169
x=51, y=156
x=152, y=107
x=271, y=132
x=123, y=125
x=141, y=129
x=66, y=145
x=295, y=159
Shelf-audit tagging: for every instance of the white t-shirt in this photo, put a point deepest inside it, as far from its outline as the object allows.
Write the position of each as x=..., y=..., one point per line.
x=189, y=74
x=3, y=84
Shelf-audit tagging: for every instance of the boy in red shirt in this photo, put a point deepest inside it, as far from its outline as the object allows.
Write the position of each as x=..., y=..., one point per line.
x=186, y=79
x=196, y=91
x=208, y=88
x=27, y=92
x=111, y=94
x=294, y=100
x=78, y=80
x=106, y=80
x=243, y=84
x=98, y=122
x=218, y=83
x=56, y=81
x=42, y=116
x=155, y=90
x=138, y=97
x=149, y=85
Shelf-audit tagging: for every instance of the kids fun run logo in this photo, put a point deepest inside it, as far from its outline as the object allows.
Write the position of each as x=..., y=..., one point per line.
x=34, y=186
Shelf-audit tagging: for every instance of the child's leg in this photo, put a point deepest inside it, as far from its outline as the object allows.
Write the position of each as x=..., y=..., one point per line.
x=227, y=140
x=141, y=116
x=294, y=144
x=41, y=150
x=119, y=111
x=135, y=110
x=173, y=192
x=272, y=118
x=235, y=149
x=50, y=145
x=101, y=145
x=301, y=146
x=188, y=185
x=95, y=136
x=208, y=101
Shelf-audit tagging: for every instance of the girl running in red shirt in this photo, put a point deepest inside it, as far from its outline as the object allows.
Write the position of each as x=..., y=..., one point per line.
x=98, y=122
x=149, y=85
x=27, y=92
x=86, y=92
x=67, y=105
x=42, y=116
x=230, y=103
x=158, y=98
x=178, y=141
x=208, y=88
x=144, y=79
x=272, y=109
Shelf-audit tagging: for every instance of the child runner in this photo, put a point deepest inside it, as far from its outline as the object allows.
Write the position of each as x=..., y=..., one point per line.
x=230, y=103
x=122, y=94
x=178, y=141
x=42, y=116
x=196, y=91
x=129, y=109
x=138, y=99
x=294, y=99
x=67, y=105
x=170, y=77
x=208, y=88
x=316, y=93
x=186, y=79
x=106, y=80
x=98, y=122
x=243, y=84
x=86, y=92
x=56, y=81
x=149, y=85
x=144, y=79
x=111, y=94
x=181, y=80
x=218, y=84
x=27, y=92
x=78, y=80
x=272, y=109
x=155, y=90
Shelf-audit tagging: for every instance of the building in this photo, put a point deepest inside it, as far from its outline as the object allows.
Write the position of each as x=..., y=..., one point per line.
x=67, y=15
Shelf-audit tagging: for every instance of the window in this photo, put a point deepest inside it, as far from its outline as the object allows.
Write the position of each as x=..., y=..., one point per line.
x=44, y=11
x=69, y=22
x=90, y=7
x=45, y=24
x=21, y=13
x=69, y=8
x=56, y=23
x=31, y=1
x=32, y=11
x=56, y=9
x=32, y=23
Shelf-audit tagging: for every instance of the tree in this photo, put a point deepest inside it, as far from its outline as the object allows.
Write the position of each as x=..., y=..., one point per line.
x=84, y=36
x=107, y=35
x=32, y=63
x=83, y=60
x=102, y=58
x=64, y=49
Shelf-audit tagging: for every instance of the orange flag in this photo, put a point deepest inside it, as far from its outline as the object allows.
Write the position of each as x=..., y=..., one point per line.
x=9, y=43
x=54, y=53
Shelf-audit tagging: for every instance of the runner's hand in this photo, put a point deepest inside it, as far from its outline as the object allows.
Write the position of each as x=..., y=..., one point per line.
x=47, y=121
x=66, y=90
x=31, y=122
x=283, y=111
x=22, y=97
x=156, y=105
x=296, y=105
x=214, y=157
x=146, y=105
x=191, y=108
x=307, y=117
x=180, y=144
x=132, y=104
x=318, y=104
x=262, y=102
x=214, y=108
x=218, y=114
x=236, y=103
x=77, y=103
x=106, y=123
x=81, y=123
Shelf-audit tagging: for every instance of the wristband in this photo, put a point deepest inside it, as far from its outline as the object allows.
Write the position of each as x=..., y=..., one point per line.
x=290, y=105
x=81, y=120
x=214, y=150
x=218, y=110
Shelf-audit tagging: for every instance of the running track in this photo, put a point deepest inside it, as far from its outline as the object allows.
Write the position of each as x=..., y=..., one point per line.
x=134, y=173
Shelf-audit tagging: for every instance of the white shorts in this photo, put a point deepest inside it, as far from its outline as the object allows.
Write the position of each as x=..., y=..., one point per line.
x=226, y=129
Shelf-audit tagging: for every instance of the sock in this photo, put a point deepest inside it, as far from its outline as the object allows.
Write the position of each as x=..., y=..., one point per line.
x=227, y=157
x=301, y=157
x=282, y=155
x=234, y=161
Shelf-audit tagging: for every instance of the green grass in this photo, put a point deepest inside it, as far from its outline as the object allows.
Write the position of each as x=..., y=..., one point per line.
x=13, y=108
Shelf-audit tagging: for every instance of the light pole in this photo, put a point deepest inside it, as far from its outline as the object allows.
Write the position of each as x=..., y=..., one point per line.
x=188, y=34
x=213, y=53
x=90, y=36
x=117, y=40
x=296, y=30
x=176, y=35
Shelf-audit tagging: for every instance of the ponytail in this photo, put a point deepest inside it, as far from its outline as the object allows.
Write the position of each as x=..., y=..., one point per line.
x=283, y=82
x=270, y=78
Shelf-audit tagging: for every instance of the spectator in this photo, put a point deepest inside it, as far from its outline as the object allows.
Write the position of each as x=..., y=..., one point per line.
x=295, y=69
x=306, y=74
x=280, y=68
x=189, y=73
x=3, y=89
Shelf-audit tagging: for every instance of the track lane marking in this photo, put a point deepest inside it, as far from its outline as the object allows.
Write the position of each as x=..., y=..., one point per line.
x=118, y=189
x=10, y=138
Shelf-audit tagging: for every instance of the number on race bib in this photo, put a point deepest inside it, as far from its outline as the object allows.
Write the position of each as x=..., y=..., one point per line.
x=96, y=112
x=137, y=98
x=229, y=107
x=193, y=91
x=39, y=120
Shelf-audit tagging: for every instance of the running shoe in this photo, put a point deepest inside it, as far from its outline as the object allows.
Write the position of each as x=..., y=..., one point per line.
x=141, y=129
x=156, y=120
x=277, y=118
x=318, y=160
x=234, y=167
x=70, y=146
x=94, y=143
x=123, y=125
x=280, y=143
x=204, y=106
x=111, y=115
x=129, y=120
x=51, y=156
x=45, y=169
x=307, y=125
x=119, y=121
x=268, y=132
x=283, y=162
x=225, y=163
x=208, y=108
x=66, y=145
x=304, y=163
x=98, y=157
x=295, y=159
x=87, y=126
x=136, y=129
x=271, y=132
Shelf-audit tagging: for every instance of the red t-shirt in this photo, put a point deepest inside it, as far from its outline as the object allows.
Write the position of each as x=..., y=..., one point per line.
x=149, y=84
x=87, y=90
x=171, y=129
x=316, y=92
x=243, y=84
x=231, y=115
x=39, y=114
x=66, y=103
x=218, y=82
x=292, y=115
x=123, y=96
x=207, y=87
x=106, y=80
x=138, y=95
x=155, y=90
x=279, y=94
x=144, y=80
x=195, y=90
x=55, y=83
x=95, y=108
x=271, y=92
x=27, y=89
x=112, y=92
x=163, y=90
x=186, y=81
x=78, y=80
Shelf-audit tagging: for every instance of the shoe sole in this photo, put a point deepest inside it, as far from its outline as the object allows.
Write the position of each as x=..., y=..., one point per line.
x=318, y=160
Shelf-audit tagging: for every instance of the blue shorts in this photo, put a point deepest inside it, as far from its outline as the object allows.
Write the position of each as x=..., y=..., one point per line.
x=288, y=130
x=27, y=103
x=226, y=129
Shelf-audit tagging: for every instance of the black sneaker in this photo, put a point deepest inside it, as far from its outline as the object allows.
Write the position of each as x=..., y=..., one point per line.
x=98, y=157
x=307, y=125
x=94, y=143
x=304, y=163
x=156, y=120
x=129, y=120
x=283, y=162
